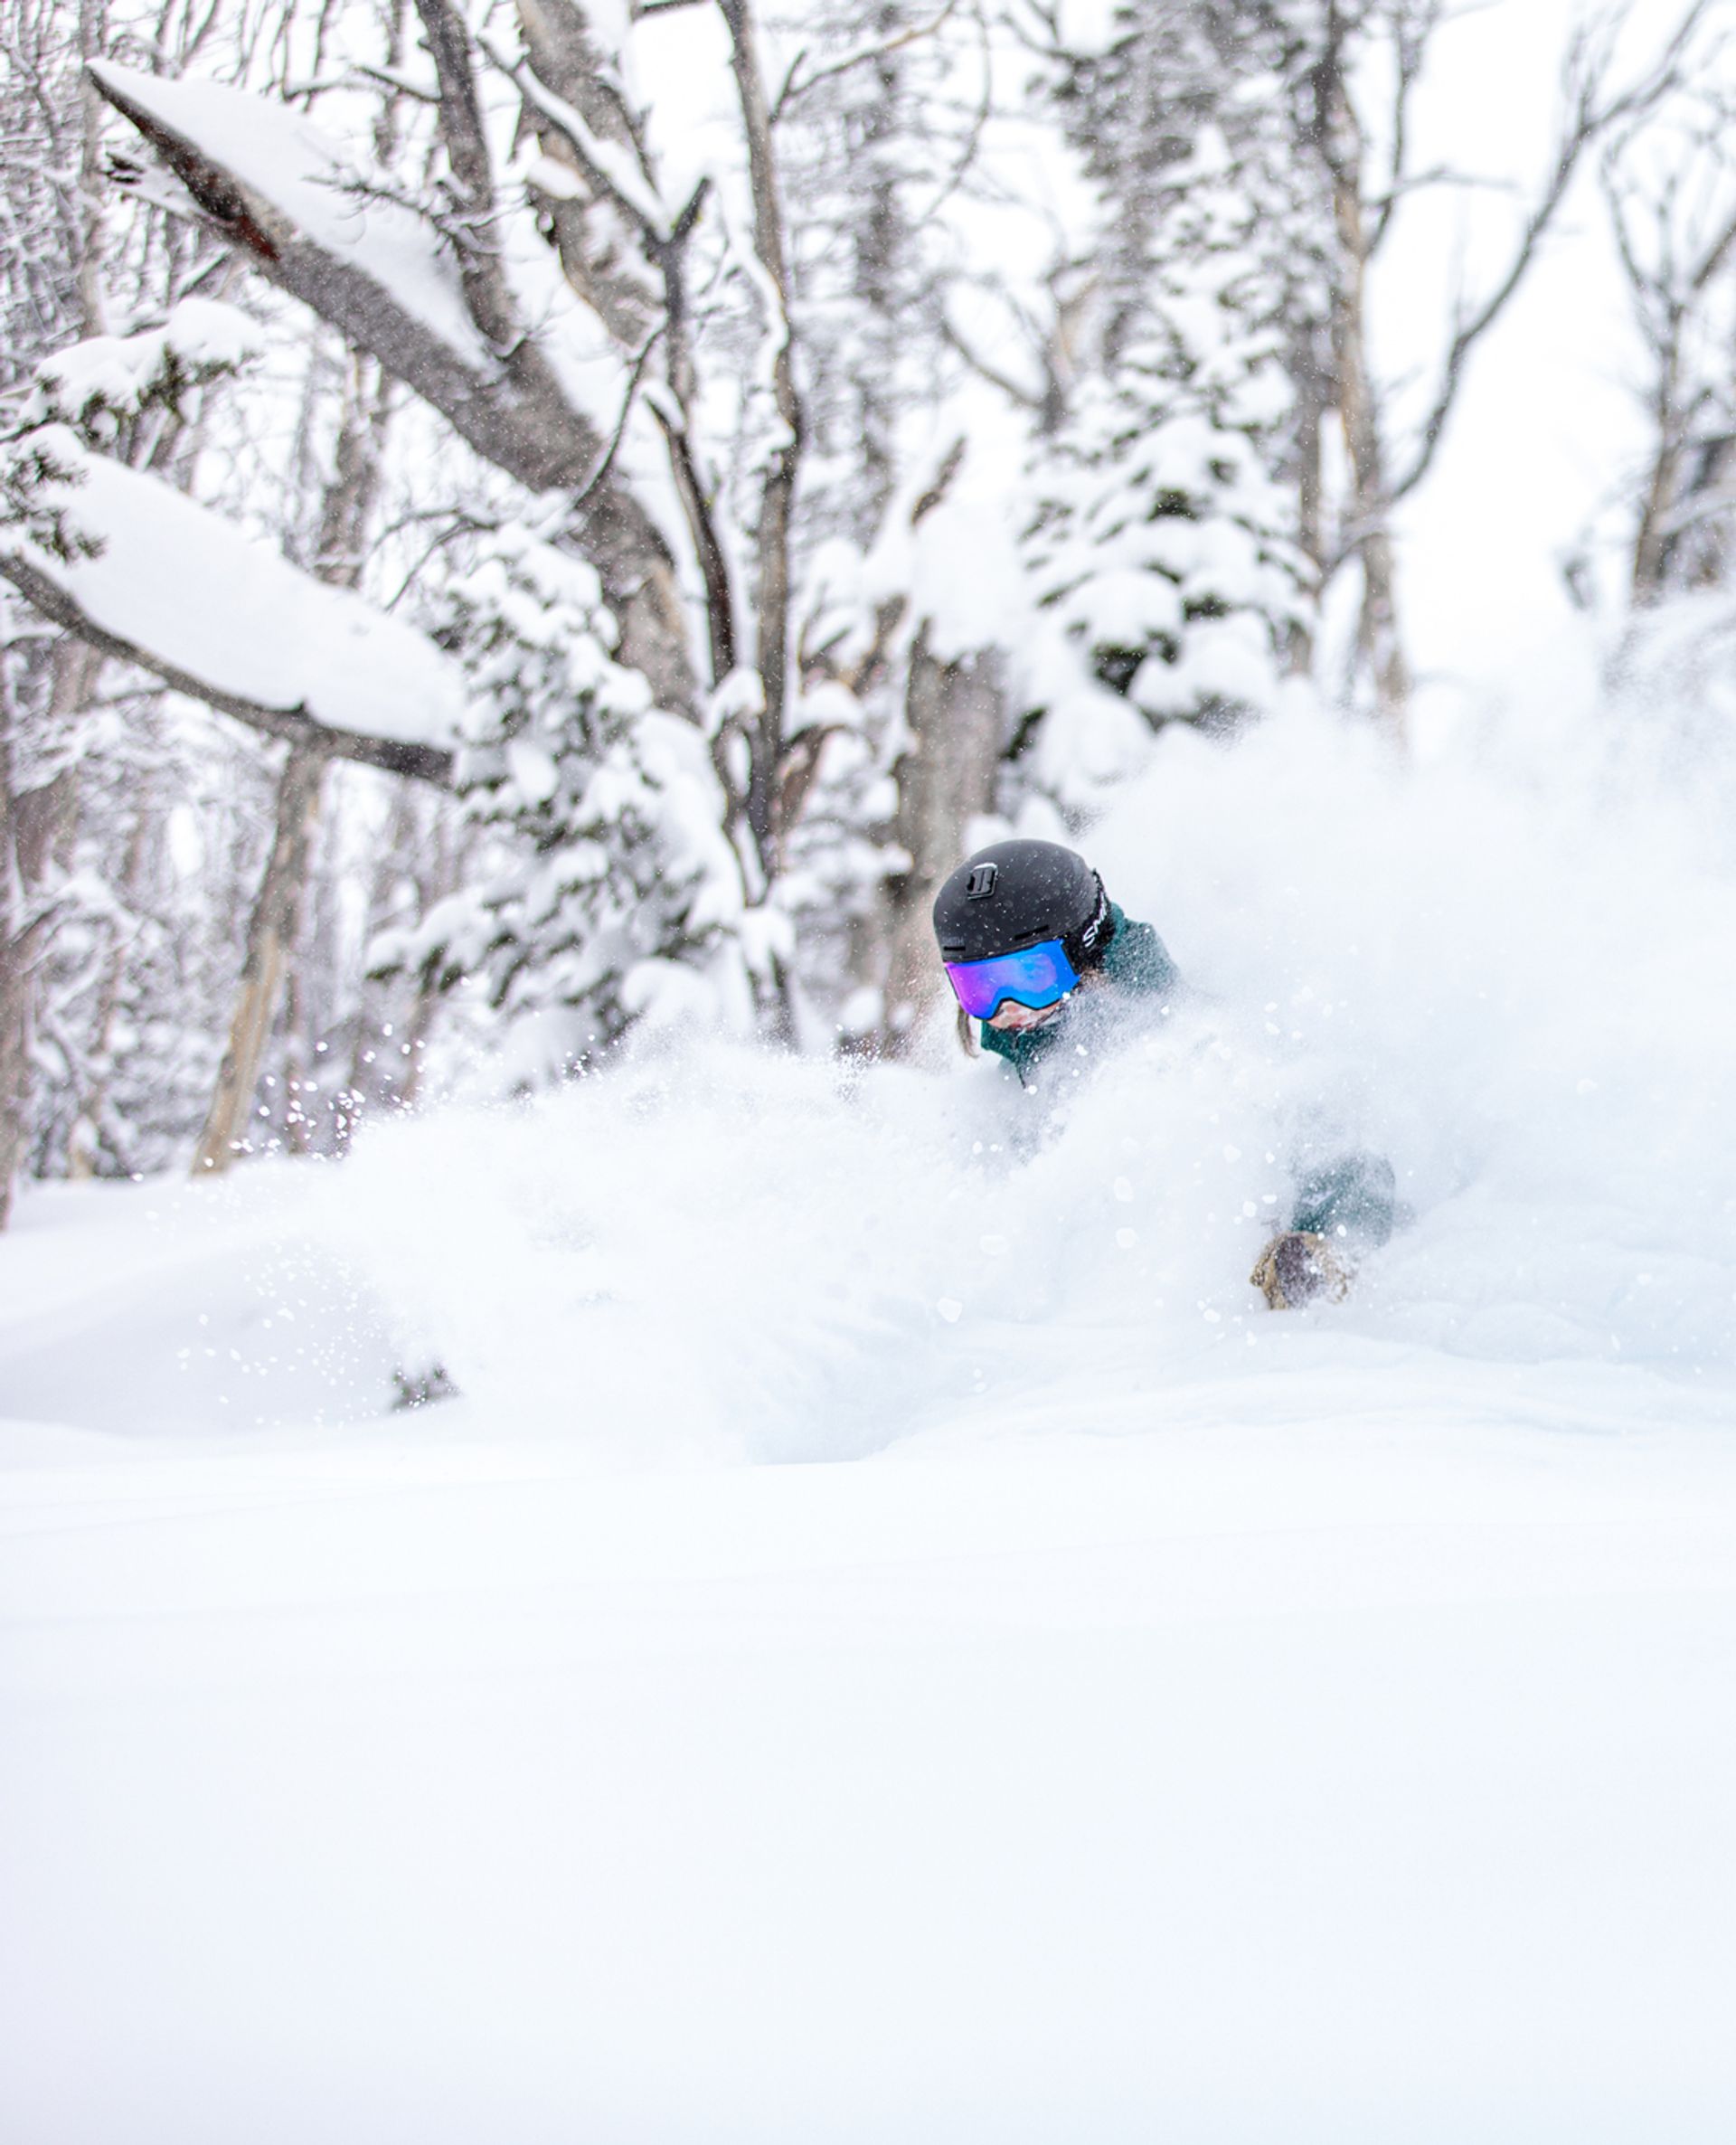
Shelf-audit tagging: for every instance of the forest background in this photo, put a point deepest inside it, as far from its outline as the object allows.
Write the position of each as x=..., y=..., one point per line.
x=526, y=527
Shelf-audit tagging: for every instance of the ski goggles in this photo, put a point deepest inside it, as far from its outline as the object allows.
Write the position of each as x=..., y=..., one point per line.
x=1036, y=975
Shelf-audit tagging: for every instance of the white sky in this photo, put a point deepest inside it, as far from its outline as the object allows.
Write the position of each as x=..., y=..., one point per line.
x=1548, y=420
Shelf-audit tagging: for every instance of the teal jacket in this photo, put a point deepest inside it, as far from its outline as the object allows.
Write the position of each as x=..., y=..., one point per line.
x=1353, y=1194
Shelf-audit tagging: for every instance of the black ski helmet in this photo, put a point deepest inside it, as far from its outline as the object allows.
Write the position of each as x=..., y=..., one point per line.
x=1014, y=894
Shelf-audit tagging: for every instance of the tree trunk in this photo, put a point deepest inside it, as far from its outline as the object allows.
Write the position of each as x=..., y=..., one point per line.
x=86, y=1136
x=273, y=938
x=1649, y=543
x=778, y=489
x=1380, y=651
x=565, y=57
x=955, y=713
x=271, y=941
x=1313, y=392
x=19, y=943
x=33, y=826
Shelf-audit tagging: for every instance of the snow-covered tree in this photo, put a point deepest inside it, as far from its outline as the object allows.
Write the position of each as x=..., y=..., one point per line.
x=810, y=437
x=81, y=808
x=609, y=887
x=1162, y=546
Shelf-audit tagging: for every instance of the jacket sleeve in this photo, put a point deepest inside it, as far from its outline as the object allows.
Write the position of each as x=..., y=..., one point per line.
x=1357, y=1194
x=1138, y=961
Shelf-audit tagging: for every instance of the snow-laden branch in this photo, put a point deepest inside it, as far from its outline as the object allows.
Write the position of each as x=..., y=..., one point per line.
x=286, y=198
x=283, y=193
x=155, y=580
x=607, y=165
x=279, y=185
x=99, y=383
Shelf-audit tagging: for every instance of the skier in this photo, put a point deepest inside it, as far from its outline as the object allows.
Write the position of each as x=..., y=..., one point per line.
x=1037, y=954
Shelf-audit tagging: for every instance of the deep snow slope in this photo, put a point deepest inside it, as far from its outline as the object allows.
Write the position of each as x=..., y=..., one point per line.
x=891, y=1642
x=1338, y=1779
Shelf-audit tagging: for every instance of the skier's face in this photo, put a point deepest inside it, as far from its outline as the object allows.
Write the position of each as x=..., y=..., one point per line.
x=1013, y=1019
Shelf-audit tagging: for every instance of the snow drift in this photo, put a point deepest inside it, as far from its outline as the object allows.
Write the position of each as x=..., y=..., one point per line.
x=1191, y=1723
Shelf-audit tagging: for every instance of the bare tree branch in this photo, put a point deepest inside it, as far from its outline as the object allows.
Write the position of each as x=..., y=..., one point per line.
x=797, y=84
x=1588, y=119
x=606, y=462
x=1712, y=260
x=708, y=545
x=1025, y=397
x=1411, y=38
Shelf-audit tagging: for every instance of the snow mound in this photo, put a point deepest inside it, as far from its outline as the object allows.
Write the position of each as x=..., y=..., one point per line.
x=1353, y=1691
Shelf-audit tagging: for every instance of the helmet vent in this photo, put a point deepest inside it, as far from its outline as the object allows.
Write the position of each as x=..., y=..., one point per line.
x=981, y=882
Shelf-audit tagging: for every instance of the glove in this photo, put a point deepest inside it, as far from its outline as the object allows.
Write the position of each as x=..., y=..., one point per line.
x=1296, y=1267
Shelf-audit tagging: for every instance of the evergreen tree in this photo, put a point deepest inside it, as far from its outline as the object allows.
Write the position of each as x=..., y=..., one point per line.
x=604, y=887
x=1163, y=542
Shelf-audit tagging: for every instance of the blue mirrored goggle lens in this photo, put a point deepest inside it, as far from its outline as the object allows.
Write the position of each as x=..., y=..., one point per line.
x=1036, y=975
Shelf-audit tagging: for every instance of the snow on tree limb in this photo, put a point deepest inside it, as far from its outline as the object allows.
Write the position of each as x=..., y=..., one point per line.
x=608, y=167
x=180, y=591
x=320, y=229
x=282, y=193
x=426, y=763
x=279, y=186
